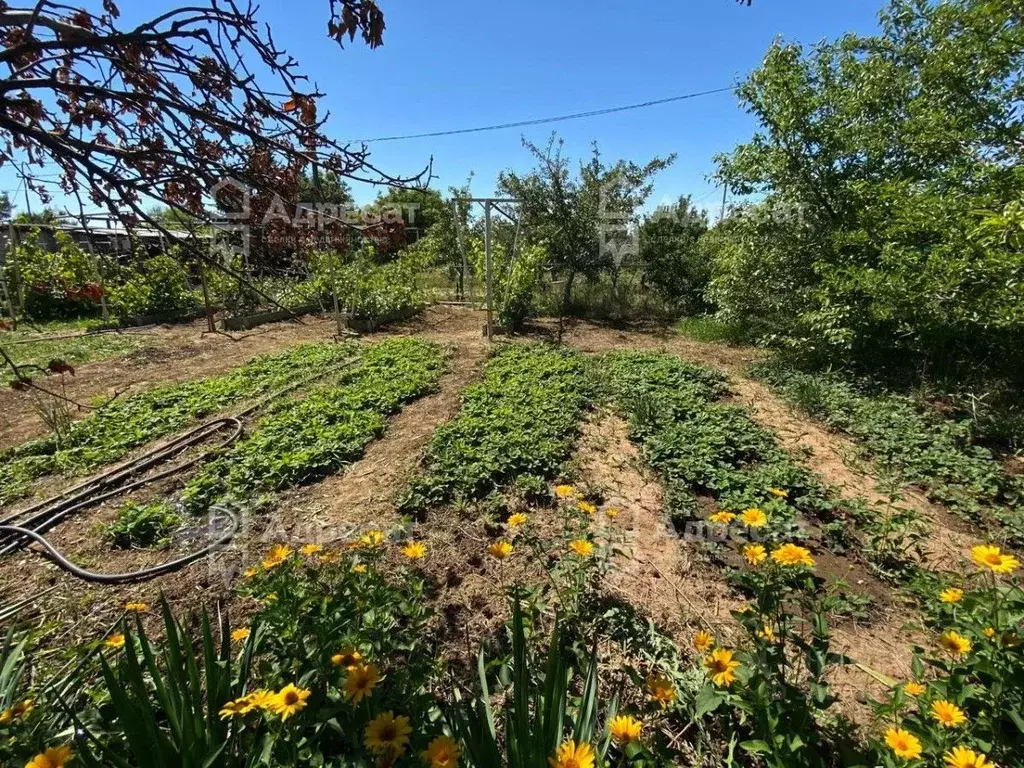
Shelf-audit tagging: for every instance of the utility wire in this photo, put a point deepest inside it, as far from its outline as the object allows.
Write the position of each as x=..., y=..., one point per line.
x=543, y=120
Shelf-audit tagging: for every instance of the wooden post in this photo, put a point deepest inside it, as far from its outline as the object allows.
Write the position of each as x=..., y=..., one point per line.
x=206, y=299
x=487, y=270
x=7, y=293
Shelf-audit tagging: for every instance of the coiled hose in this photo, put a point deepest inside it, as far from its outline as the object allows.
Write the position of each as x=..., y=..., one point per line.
x=29, y=525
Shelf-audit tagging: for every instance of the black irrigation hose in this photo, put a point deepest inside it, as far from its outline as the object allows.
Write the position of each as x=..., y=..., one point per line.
x=29, y=524
x=132, y=576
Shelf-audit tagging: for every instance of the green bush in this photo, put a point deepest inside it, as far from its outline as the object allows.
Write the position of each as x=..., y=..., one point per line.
x=369, y=290
x=142, y=525
x=53, y=284
x=159, y=287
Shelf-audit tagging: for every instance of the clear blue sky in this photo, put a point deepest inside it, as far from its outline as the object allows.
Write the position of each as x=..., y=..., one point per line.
x=460, y=63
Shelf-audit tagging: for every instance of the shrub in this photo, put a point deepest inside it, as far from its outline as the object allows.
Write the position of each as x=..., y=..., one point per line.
x=160, y=286
x=142, y=525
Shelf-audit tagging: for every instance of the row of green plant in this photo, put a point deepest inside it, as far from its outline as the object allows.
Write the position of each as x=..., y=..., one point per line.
x=114, y=428
x=701, y=446
x=309, y=437
x=35, y=356
x=912, y=444
x=515, y=427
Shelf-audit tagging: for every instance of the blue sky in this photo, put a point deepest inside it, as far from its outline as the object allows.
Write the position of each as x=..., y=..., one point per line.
x=460, y=64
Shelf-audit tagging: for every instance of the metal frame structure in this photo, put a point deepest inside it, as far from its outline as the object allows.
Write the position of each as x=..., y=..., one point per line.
x=488, y=203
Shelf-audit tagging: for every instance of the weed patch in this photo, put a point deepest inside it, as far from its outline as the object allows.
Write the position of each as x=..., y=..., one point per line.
x=142, y=525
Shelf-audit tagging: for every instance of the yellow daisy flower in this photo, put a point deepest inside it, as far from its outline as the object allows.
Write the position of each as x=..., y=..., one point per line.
x=359, y=568
x=54, y=757
x=240, y=634
x=625, y=729
x=571, y=755
x=779, y=493
x=360, y=682
x=722, y=518
x=954, y=643
x=237, y=708
x=415, y=550
x=260, y=699
x=347, y=658
x=19, y=710
x=948, y=714
x=371, y=539
x=661, y=690
x=913, y=688
x=135, y=607
x=988, y=632
x=565, y=491
x=442, y=752
x=311, y=549
x=516, y=520
x=387, y=735
x=754, y=518
x=721, y=665
x=114, y=641
x=586, y=506
x=702, y=641
x=500, y=550
x=250, y=572
x=289, y=700
x=962, y=757
x=755, y=554
x=612, y=512
x=331, y=557
x=792, y=555
x=581, y=547
x=277, y=555
x=904, y=744
x=991, y=557
x=767, y=634
x=951, y=595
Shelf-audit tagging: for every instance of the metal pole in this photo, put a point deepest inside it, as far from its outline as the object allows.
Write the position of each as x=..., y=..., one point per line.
x=487, y=269
x=721, y=216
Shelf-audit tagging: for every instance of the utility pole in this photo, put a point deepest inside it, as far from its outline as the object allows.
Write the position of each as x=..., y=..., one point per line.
x=725, y=190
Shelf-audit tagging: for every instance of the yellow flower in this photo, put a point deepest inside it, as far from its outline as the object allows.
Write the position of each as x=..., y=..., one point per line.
x=17, y=711
x=250, y=572
x=500, y=550
x=415, y=550
x=387, y=735
x=661, y=690
x=948, y=714
x=311, y=549
x=277, y=555
x=359, y=568
x=135, y=607
x=260, y=699
x=360, y=682
x=754, y=518
x=565, y=491
x=723, y=518
x=270, y=597
x=586, y=506
x=240, y=634
x=330, y=558
x=237, y=708
x=913, y=688
x=581, y=547
x=114, y=641
x=442, y=752
x=289, y=700
x=951, y=595
x=702, y=641
x=720, y=665
x=903, y=743
x=954, y=643
x=779, y=493
x=516, y=520
x=991, y=557
x=54, y=757
x=755, y=554
x=962, y=757
x=371, y=539
x=791, y=555
x=988, y=632
x=612, y=512
x=767, y=634
x=569, y=755
x=625, y=729
x=347, y=658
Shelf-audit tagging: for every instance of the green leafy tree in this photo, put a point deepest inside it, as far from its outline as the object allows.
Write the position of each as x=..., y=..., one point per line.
x=873, y=154
x=672, y=260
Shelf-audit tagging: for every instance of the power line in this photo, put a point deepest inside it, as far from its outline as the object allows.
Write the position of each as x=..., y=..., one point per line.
x=542, y=120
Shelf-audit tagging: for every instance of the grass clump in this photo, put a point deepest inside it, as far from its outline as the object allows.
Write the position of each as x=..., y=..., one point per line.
x=110, y=432
x=304, y=439
x=910, y=444
x=142, y=525
x=518, y=425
